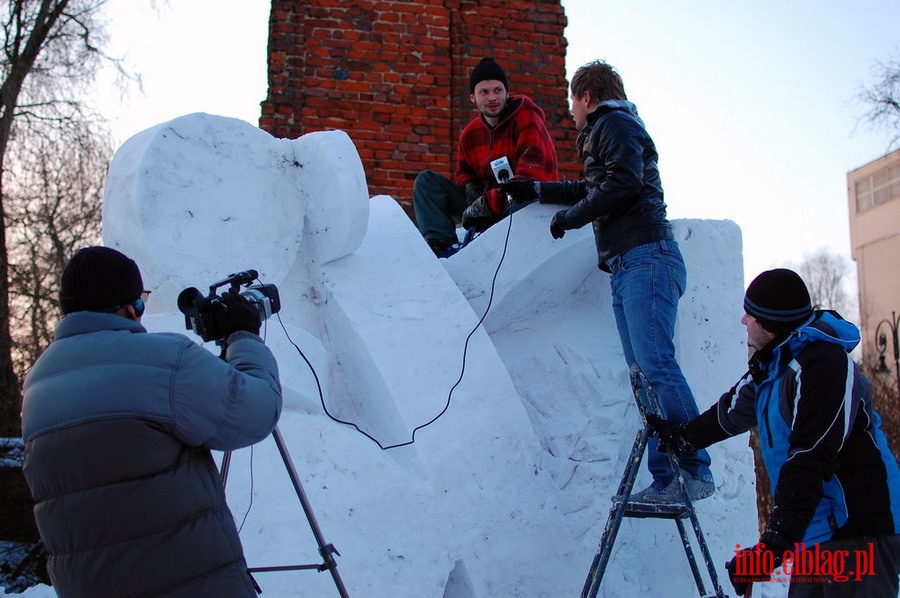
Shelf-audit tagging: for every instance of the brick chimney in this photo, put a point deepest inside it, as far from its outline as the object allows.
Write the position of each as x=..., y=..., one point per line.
x=394, y=76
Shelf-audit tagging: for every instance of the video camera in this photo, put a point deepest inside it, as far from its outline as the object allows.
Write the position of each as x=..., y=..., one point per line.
x=202, y=316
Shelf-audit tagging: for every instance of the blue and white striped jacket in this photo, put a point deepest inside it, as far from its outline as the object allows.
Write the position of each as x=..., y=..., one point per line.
x=826, y=455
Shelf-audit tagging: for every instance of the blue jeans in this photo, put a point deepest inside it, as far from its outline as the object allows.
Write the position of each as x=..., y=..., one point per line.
x=647, y=282
x=438, y=203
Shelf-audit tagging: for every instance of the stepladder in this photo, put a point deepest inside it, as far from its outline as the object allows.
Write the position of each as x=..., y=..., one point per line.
x=680, y=511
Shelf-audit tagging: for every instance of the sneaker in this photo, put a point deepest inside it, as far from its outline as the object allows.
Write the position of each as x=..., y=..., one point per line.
x=450, y=251
x=438, y=246
x=651, y=494
x=697, y=490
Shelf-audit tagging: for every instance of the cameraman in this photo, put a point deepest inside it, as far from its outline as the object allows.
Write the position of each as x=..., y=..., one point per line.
x=118, y=427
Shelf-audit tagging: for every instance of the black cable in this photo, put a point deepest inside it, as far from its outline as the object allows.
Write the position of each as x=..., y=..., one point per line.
x=449, y=394
x=356, y=427
x=250, y=505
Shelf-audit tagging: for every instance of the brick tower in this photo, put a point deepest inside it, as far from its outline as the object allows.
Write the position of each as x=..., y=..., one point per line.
x=394, y=75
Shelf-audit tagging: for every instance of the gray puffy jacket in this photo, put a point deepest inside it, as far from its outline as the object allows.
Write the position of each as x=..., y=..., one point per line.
x=118, y=427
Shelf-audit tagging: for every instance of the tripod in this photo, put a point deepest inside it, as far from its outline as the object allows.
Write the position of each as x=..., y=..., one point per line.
x=647, y=402
x=326, y=550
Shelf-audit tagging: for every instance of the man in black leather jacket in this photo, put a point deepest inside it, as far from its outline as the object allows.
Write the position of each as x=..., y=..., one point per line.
x=621, y=195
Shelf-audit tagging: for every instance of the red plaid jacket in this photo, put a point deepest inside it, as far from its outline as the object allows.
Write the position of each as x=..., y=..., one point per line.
x=520, y=136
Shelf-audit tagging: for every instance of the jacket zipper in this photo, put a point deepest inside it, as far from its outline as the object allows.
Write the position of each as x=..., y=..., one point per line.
x=766, y=420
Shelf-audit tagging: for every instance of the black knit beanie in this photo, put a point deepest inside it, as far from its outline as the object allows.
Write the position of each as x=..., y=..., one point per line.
x=98, y=279
x=487, y=70
x=778, y=299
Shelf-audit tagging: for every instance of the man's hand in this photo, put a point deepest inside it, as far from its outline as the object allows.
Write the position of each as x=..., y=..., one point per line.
x=761, y=560
x=522, y=190
x=670, y=434
x=478, y=217
x=558, y=225
x=238, y=314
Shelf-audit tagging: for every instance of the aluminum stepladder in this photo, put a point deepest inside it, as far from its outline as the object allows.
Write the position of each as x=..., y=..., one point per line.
x=647, y=402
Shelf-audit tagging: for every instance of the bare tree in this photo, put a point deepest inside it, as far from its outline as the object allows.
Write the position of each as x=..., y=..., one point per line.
x=885, y=398
x=54, y=203
x=52, y=50
x=829, y=278
x=883, y=98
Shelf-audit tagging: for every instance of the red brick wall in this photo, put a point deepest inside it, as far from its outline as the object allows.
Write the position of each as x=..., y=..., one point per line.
x=394, y=76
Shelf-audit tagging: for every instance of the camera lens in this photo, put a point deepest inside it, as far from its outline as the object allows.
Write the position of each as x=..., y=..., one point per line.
x=187, y=300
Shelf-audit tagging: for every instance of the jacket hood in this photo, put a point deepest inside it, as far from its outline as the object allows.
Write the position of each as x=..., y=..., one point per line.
x=823, y=325
x=605, y=107
x=610, y=105
x=830, y=327
x=515, y=103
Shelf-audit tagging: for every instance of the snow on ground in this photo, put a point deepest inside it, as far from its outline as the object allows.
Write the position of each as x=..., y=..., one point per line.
x=507, y=491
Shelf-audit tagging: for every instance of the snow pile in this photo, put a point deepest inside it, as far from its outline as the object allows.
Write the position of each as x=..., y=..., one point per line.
x=504, y=494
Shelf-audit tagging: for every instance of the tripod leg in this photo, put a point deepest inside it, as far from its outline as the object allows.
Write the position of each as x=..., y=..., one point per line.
x=326, y=550
x=223, y=469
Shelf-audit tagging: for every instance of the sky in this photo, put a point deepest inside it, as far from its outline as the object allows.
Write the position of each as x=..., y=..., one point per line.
x=507, y=489
x=751, y=104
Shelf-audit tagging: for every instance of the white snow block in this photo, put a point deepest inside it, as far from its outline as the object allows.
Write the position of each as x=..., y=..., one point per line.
x=212, y=191
x=333, y=186
x=479, y=453
x=521, y=244
x=192, y=199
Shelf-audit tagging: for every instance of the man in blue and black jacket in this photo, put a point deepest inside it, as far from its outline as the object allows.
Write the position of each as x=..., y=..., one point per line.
x=836, y=485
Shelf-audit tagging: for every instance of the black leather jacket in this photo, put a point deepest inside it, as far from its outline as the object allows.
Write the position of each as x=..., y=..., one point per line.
x=621, y=192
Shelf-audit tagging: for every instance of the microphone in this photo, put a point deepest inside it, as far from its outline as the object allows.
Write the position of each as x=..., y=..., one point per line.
x=502, y=170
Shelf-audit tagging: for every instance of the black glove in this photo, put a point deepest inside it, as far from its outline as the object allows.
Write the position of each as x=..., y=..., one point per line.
x=237, y=314
x=558, y=225
x=522, y=190
x=670, y=434
x=757, y=563
x=478, y=217
x=473, y=190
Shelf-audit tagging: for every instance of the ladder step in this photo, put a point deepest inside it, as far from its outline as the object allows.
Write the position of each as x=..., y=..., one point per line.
x=643, y=510
x=623, y=506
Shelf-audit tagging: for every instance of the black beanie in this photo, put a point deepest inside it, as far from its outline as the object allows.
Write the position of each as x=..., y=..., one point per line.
x=487, y=70
x=97, y=279
x=778, y=299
